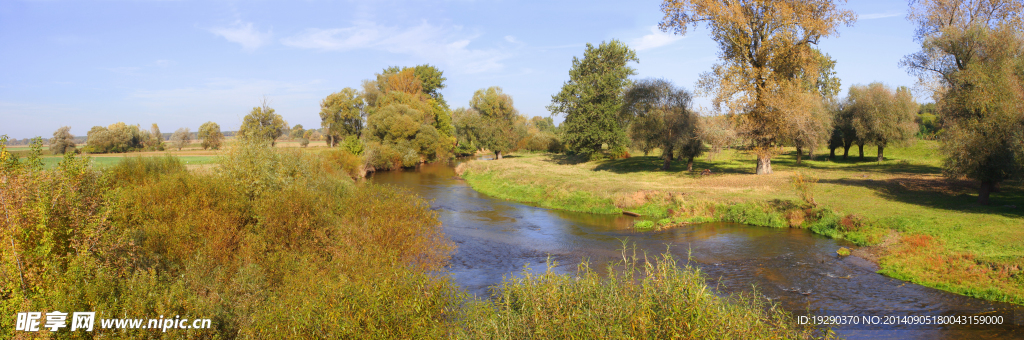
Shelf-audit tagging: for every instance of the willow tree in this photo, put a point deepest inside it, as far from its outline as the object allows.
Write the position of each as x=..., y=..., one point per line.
x=502, y=125
x=972, y=57
x=662, y=115
x=210, y=133
x=767, y=55
x=262, y=124
x=881, y=116
x=62, y=141
x=341, y=114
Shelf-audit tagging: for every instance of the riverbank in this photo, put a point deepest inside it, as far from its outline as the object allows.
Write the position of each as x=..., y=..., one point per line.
x=916, y=225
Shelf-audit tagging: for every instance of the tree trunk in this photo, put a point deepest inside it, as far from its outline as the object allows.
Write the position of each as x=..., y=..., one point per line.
x=497, y=154
x=832, y=154
x=810, y=153
x=846, y=149
x=984, y=191
x=689, y=164
x=860, y=147
x=799, y=154
x=667, y=155
x=764, y=165
x=880, y=150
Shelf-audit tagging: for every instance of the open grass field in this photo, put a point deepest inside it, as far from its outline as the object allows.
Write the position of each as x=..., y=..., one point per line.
x=918, y=225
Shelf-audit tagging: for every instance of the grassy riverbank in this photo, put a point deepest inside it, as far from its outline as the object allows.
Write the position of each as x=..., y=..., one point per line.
x=919, y=226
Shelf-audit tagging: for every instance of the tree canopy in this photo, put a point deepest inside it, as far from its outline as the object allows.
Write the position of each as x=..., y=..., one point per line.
x=210, y=133
x=341, y=114
x=662, y=116
x=62, y=141
x=262, y=124
x=592, y=98
x=881, y=116
x=768, y=59
x=502, y=125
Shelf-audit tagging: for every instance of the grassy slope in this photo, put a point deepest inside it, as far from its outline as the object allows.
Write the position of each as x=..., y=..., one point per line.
x=945, y=239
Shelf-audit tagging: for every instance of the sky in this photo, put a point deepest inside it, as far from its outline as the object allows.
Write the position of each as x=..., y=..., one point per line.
x=85, y=63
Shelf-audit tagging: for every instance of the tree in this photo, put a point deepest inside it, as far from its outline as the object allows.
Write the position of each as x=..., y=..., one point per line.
x=502, y=125
x=117, y=137
x=972, y=58
x=210, y=133
x=468, y=126
x=662, y=116
x=767, y=57
x=718, y=132
x=592, y=98
x=298, y=131
x=881, y=116
x=341, y=114
x=843, y=134
x=405, y=126
x=181, y=138
x=62, y=141
x=262, y=124
x=156, y=138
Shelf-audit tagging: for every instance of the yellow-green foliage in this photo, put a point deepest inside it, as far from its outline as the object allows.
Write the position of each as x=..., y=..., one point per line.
x=643, y=299
x=272, y=246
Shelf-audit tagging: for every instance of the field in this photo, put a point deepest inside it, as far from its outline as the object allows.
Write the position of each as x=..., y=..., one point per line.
x=916, y=224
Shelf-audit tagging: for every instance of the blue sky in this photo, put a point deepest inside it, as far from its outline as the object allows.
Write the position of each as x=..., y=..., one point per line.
x=182, y=63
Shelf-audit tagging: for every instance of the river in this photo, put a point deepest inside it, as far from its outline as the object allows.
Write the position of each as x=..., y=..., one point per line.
x=795, y=268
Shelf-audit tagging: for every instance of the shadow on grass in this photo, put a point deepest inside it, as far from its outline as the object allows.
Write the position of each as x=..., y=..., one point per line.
x=854, y=164
x=653, y=164
x=956, y=195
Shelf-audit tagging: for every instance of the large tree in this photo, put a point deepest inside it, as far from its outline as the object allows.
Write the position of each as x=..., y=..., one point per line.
x=592, y=98
x=768, y=56
x=502, y=125
x=262, y=124
x=341, y=114
x=181, y=138
x=62, y=141
x=972, y=57
x=881, y=116
x=210, y=133
x=662, y=116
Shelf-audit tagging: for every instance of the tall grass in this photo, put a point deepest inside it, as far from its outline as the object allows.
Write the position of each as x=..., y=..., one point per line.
x=637, y=298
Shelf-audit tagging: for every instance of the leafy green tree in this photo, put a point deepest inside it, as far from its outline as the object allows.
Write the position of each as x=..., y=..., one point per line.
x=262, y=124
x=341, y=114
x=663, y=116
x=927, y=120
x=502, y=123
x=843, y=134
x=156, y=141
x=468, y=125
x=592, y=98
x=768, y=60
x=971, y=57
x=210, y=133
x=405, y=126
x=718, y=132
x=62, y=141
x=118, y=137
x=881, y=116
x=181, y=138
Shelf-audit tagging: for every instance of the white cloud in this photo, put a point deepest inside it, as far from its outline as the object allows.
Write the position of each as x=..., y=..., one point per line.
x=879, y=15
x=656, y=39
x=243, y=34
x=511, y=39
x=435, y=44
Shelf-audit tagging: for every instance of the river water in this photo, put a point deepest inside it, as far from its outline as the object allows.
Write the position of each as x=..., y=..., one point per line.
x=795, y=268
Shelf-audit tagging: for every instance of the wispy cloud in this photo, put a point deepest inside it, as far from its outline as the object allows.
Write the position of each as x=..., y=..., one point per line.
x=243, y=34
x=871, y=16
x=656, y=39
x=442, y=45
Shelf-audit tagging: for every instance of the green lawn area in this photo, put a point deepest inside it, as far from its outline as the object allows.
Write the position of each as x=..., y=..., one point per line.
x=107, y=161
x=958, y=245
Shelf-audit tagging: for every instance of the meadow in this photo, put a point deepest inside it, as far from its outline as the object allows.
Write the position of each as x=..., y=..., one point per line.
x=914, y=223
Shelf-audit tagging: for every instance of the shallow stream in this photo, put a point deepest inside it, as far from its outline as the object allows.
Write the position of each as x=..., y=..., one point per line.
x=793, y=267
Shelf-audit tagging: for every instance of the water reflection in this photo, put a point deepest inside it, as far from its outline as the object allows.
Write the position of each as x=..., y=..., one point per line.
x=797, y=269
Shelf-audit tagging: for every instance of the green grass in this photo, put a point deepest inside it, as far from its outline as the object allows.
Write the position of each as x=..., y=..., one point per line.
x=905, y=194
x=106, y=162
